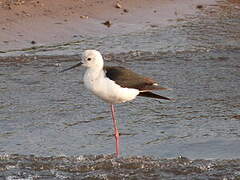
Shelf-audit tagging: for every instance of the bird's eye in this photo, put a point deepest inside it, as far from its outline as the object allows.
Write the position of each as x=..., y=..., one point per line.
x=89, y=59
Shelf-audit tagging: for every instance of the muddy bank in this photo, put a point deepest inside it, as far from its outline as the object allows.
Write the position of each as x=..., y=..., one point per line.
x=24, y=24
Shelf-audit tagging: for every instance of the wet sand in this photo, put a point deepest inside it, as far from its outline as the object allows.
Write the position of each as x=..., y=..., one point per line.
x=24, y=24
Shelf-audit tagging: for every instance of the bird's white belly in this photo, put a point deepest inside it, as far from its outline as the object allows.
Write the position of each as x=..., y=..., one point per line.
x=109, y=91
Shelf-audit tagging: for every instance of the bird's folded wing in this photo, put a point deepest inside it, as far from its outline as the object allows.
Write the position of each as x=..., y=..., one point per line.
x=130, y=79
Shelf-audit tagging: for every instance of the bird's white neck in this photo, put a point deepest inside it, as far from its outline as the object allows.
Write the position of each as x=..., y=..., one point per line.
x=93, y=73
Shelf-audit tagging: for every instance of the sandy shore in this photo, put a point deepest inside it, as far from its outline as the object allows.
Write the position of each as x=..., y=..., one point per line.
x=44, y=22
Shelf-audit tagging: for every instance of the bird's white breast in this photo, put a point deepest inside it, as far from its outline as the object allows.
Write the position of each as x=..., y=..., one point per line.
x=107, y=89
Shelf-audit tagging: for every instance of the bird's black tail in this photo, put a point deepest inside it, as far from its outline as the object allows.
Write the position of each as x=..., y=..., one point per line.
x=152, y=95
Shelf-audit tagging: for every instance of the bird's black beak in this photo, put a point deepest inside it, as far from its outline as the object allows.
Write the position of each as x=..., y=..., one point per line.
x=76, y=65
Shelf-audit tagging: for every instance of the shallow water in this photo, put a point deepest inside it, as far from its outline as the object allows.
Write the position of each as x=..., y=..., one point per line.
x=107, y=167
x=50, y=114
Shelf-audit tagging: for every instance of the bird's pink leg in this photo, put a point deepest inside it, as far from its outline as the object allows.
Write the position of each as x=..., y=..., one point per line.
x=115, y=130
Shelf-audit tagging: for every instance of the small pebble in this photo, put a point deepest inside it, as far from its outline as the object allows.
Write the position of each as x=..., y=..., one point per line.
x=237, y=7
x=107, y=23
x=199, y=6
x=57, y=64
x=84, y=17
x=118, y=5
x=154, y=25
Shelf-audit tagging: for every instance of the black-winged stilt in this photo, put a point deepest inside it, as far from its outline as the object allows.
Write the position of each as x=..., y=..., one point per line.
x=115, y=84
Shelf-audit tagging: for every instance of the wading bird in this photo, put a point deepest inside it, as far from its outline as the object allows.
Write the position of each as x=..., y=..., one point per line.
x=115, y=84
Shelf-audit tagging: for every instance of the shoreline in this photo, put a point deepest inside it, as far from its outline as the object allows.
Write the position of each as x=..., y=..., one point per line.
x=44, y=23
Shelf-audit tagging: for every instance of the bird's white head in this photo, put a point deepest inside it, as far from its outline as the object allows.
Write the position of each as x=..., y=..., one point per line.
x=92, y=59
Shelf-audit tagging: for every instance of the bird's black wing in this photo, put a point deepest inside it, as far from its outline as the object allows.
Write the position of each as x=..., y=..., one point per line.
x=127, y=78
